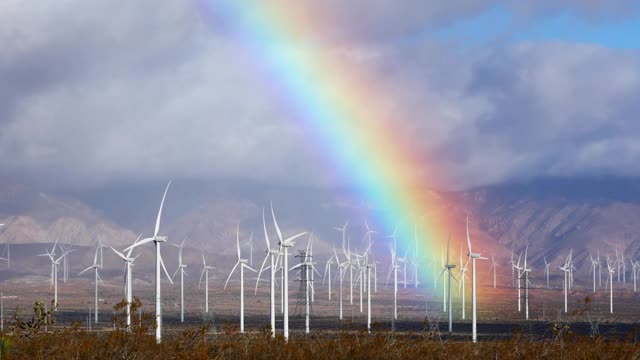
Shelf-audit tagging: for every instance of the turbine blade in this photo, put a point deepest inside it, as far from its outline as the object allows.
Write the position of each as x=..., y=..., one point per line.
x=238, y=239
x=155, y=233
x=295, y=237
x=468, y=237
x=118, y=253
x=273, y=215
x=231, y=273
x=266, y=235
x=260, y=272
x=135, y=242
x=142, y=242
x=85, y=270
x=165, y=270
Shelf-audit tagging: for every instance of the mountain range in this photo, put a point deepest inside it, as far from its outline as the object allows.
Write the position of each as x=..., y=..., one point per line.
x=549, y=216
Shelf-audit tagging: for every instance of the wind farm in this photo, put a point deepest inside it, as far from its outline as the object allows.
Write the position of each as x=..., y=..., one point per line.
x=319, y=179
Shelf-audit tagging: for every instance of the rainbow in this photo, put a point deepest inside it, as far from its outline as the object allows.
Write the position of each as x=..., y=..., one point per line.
x=343, y=107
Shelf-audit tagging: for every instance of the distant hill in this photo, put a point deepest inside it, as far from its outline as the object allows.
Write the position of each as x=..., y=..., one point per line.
x=550, y=216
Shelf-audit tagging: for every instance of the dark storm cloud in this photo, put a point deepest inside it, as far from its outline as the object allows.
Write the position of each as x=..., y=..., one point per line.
x=99, y=91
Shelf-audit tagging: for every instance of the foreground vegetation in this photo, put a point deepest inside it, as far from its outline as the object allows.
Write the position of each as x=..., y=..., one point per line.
x=37, y=338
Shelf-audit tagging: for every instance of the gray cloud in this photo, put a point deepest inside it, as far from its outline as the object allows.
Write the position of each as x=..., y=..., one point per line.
x=95, y=92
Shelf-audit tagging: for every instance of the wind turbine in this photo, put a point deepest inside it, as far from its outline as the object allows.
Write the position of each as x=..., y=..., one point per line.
x=566, y=269
x=327, y=270
x=347, y=254
x=494, y=267
x=181, y=268
x=513, y=263
x=592, y=269
x=274, y=255
x=157, y=240
x=610, y=283
x=128, y=261
x=394, y=268
x=96, y=266
x=205, y=274
x=546, y=271
x=473, y=256
x=447, y=268
x=525, y=274
x=285, y=244
x=341, y=272
x=55, y=263
x=463, y=275
x=518, y=269
x=635, y=268
x=243, y=264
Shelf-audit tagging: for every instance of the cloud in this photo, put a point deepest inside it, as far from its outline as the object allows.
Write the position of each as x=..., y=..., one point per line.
x=103, y=91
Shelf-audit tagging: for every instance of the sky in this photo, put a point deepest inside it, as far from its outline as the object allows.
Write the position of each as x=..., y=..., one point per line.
x=97, y=92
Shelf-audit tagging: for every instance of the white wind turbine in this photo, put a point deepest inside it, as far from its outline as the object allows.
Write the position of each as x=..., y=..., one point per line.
x=610, y=268
x=463, y=275
x=55, y=263
x=473, y=256
x=327, y=270
x=157, y=240
x=342, y=269
x=447, y=269
x=525, y=274
x=513, y=269
x=565, y=283
x=128, y=261
x=394, y=268
x=285, y=244
x=274, y=255
x=494, y=267
x=183, y=273
x=205, y=275
x=592, y=269
x=373, y=262
x=243, y=264
x=518, y=269
x=546, y=271
x=96, y=266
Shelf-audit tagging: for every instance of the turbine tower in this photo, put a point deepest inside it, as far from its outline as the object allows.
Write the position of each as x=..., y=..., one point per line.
x=525, y=274
x=285, y=244
x=243, y=264
x=518, y=268
x=592, y=269
x=327, y=270
x=473, y=256
x=181, y=268
x=447, y=268
x=128, y=262
x=157, y=240
x=461, y=283
x=565, y=283
x=610, y=268
x=546, y=271
x=96, y=266
x=205, y=275
x=494, y=267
